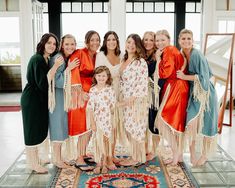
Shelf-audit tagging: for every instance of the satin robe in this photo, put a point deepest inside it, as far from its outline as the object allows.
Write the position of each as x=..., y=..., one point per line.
x=81, y=75
x=174, y=109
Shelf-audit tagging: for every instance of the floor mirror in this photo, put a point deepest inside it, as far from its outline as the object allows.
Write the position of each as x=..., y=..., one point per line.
x=219, y=51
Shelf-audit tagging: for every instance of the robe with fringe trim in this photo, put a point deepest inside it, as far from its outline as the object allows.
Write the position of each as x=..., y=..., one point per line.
x=134, y=83
x=203, y=97
x=102, y=103
x=80, y=76
x=58, y=117
x=175, y=91
x=34, y=101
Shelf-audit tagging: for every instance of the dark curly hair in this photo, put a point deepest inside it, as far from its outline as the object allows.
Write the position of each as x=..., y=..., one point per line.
x=44, y=40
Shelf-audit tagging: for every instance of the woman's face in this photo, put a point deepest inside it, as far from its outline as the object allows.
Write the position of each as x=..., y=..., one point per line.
x=50, y=46
x=68, y=46
x=149, y=42
x=130, y=46
x=186, y=41
x=162, y=41
x=94, y=43
x=111, y=42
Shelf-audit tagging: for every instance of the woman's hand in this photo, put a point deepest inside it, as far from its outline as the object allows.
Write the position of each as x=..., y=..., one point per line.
x=73, y=64
x=58, y=61
x=158, y=54
x=180, y=74
x=93, y=127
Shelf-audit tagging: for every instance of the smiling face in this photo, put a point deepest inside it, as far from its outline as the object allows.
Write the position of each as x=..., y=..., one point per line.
x=186, y=41
x=50, y=46
x=68, y=46
x=130, y=46
x=94, y=43
x=149, y=42
x=111, y=42
x=101, y=78
x=162, y=41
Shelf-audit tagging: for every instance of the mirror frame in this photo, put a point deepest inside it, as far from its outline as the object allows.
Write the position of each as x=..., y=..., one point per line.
x=228, y=84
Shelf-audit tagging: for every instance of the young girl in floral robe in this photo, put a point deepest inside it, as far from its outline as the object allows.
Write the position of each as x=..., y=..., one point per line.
x=100, y=111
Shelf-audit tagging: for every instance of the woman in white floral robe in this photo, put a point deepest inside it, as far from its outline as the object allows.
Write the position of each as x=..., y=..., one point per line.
x=134, y=92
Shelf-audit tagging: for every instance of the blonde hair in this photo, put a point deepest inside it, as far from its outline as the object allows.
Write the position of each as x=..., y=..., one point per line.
x=67, y=36
x=185, y=31
x=148, y=33
x=163, y=32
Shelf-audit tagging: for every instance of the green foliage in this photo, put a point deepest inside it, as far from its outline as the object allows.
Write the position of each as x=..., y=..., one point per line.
x=10, y=59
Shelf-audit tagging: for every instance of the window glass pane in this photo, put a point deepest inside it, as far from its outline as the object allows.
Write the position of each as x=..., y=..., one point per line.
x=9, y=40
x=3, y=5
x=97, y=7
x=93, y=21
x=138, y=7
x=190, y=7
x=105, y=7
x=66, y=7
x=231, y=26
x=222, y=25
x=13, y=5
x=129, y=7
x=87, y=7
x=159, y=7
x=232, y=5
x=221, y=4
x=146, y=21
x=198, y=7
x=76, y=7
x=148, y=7
x=170, y=7
x=194, y=26
x=45, y=23
x=45, y=7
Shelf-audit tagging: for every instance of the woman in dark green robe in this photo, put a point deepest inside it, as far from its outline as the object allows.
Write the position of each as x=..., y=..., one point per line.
x=34, y=100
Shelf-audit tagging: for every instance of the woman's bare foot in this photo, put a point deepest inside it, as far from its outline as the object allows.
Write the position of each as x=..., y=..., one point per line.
x=61, y=164
x=104, y=170
x=128, y=162
x=150, y=156
x=116, y=160
x=168, y=161
x=193, y=160
x=111, y=166
x=97, y=170
x=201, y=161
x=39, y=169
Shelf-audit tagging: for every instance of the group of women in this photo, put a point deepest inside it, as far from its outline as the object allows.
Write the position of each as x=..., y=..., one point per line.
x=111, y=97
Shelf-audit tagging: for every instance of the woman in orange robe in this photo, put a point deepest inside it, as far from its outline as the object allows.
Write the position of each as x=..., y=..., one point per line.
x=81, y=80
x=171, y=116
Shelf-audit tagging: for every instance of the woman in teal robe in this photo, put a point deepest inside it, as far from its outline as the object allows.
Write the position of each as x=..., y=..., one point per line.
x=58, y=116
x=202, y=111
x=34, y=100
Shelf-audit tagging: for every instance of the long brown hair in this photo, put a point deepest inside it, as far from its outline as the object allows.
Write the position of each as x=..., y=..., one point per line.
x=104, y=45
x=140, y=50
x=99, y=70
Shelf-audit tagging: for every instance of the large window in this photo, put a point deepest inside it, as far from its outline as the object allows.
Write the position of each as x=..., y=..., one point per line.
x=150, y=16
x=84, y=16
x=9, y=40
x=193, y=21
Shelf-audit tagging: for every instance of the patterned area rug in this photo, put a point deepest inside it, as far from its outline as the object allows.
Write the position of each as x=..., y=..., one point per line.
x=153, y=174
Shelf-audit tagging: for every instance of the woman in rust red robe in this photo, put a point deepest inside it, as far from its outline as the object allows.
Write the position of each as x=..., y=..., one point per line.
x=77, y=87
x=171, y=116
